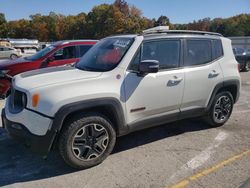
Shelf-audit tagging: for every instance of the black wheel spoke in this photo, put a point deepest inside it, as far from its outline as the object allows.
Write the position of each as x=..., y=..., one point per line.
x=102, y=142
x=222, y=108
x=79, y=142
x=89, y=131
x=79, y=149
x=90, y=142
x=90, y=154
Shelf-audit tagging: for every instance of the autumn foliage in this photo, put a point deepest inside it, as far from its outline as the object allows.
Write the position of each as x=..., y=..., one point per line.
x=110, y=19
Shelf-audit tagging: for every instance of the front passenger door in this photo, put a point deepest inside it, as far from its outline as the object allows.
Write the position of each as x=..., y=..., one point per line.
x=155, y=93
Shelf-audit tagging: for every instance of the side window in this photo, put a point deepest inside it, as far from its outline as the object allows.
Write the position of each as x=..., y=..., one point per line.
x=217, y=49
x=65, y=53
x=198, y=52
x=6, y=49
x=84, y=49
x=1, y=49
x=135, y=62
x=167, y=52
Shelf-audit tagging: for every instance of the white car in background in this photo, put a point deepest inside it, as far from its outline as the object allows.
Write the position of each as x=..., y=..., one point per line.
x=28, y=51
x=8, y=52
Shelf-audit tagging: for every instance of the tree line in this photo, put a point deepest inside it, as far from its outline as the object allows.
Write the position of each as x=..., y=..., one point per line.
x=109, y=19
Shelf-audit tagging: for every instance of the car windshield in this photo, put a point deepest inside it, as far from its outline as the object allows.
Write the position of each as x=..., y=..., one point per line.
x=105, y=55
x=41, y=53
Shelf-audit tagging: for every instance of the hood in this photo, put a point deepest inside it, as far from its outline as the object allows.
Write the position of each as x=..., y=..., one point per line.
x=12, y=62
x=51, y=76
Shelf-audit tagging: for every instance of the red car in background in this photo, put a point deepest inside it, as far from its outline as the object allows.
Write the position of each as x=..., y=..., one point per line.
x=59, y=53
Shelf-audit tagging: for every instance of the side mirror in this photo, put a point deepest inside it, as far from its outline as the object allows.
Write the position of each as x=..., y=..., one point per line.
x=148, y=66
x=50, y=59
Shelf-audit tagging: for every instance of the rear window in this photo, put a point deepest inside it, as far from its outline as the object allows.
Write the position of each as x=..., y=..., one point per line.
x=198, y=52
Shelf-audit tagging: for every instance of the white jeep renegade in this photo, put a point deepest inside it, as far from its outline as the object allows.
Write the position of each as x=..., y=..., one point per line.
x=122, y=84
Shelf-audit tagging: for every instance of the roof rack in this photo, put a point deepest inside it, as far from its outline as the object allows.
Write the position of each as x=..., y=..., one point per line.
x=162, y=29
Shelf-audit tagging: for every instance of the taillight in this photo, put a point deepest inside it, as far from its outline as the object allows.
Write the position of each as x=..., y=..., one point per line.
x=238, y=67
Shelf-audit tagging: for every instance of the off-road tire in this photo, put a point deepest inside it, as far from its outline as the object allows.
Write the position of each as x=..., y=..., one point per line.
x=68, y=135
x=211, y=118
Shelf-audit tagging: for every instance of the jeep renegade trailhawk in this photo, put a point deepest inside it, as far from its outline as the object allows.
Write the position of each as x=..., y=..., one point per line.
x=122, y=84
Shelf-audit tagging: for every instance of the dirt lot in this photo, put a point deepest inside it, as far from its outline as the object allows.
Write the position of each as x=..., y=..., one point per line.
x=186, y=154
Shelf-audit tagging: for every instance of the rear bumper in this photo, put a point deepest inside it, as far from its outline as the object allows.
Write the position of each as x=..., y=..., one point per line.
x=38, y=144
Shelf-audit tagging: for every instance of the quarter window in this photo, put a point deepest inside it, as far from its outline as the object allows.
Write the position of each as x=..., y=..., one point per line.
x=217, y=47
x=198, y=52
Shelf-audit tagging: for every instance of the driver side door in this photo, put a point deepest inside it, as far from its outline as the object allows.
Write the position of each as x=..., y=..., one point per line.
x=63, y=56
x=155, y=95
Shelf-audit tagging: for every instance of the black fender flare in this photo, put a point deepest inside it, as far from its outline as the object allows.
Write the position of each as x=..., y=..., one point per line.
x=112, y=103
x=222, y=85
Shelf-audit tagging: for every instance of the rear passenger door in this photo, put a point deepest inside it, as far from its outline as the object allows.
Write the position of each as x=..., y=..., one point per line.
x=155, y=93
x=202, y=71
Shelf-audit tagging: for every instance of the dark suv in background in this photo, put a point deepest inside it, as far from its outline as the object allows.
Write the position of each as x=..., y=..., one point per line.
x=243, y=58
x=59, y=53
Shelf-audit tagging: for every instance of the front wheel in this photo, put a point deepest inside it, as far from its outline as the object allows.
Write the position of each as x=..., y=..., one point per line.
x=13, y=56
x=221, y=109
x=87, y=140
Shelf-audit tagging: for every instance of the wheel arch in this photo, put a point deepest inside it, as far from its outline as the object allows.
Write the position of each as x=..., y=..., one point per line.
x=109, y=107
x=233, y=86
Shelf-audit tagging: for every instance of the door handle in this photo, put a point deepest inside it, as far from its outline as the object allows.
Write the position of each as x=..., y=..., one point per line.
x=174, y=81
x=213, y=74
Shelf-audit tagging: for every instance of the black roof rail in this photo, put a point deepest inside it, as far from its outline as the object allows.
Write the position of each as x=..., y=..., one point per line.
x=156, y=31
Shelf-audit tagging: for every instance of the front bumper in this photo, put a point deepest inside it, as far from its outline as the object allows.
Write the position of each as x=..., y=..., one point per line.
x=38, y=144
x=4, y=87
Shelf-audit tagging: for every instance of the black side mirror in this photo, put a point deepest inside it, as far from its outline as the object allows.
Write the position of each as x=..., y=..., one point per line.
x=47, y=61
x=50, y=59
x=148, y=66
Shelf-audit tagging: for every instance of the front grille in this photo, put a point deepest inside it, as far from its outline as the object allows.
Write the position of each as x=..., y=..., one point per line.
x=17, y=101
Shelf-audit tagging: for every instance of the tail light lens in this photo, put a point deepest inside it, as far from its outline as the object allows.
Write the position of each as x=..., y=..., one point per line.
x=238, y=67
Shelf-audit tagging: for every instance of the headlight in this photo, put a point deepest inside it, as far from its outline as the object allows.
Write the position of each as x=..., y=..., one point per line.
x=18, y=101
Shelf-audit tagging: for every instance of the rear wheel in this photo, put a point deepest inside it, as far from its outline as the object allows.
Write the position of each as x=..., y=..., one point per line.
x=87, y=141
x=221, y=109
x=13, y=56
